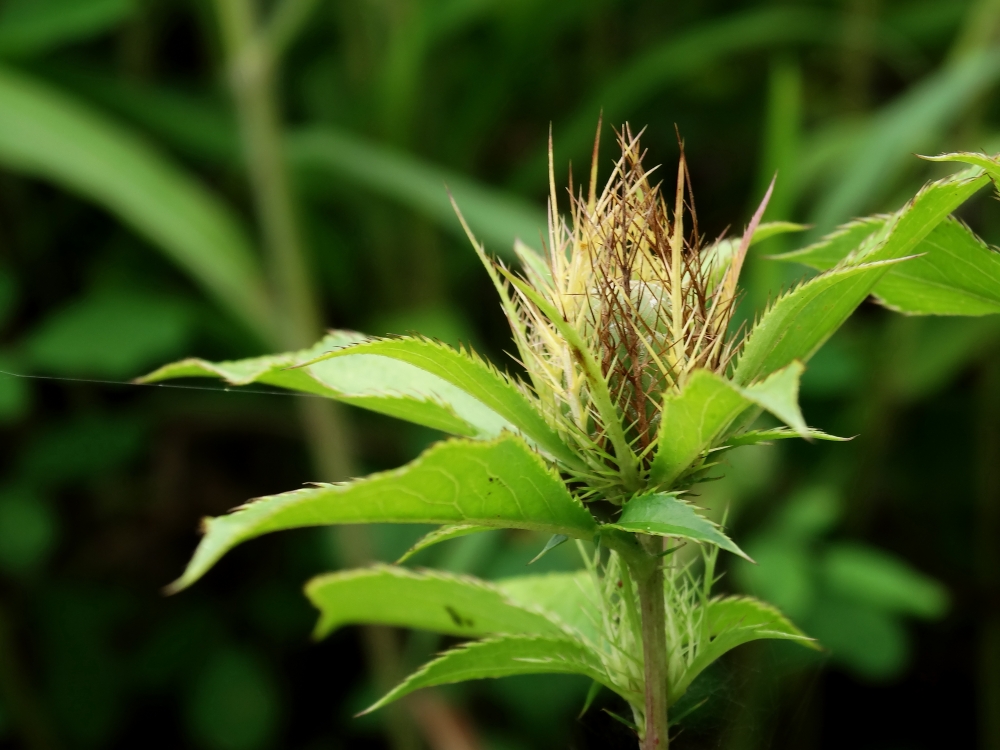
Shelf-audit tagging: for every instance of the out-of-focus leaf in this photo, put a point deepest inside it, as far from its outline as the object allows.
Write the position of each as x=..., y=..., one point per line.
x=754, y=437
x=731, y=622
x=380, y=384
x=82, y=448
x=501, y=483
x=783, y=575
x=27, y=530
x=906, y=126
x=428, y=600
x=940, y=349
x=15, y=392
x=496, y=217
x=867, y=640
x=474, y=376
x=880, y=580
x=442, y=534
x=800, y=322
x=234, y=703
x=504, y=656
x=109, y=333
x=48, y=135
x=32, y=27
x=665, y=514
x=676, y=59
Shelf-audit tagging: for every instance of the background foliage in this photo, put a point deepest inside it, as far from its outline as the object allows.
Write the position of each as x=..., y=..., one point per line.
x=128, y=237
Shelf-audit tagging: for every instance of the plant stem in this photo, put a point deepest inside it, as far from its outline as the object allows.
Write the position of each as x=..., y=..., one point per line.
x=649, y=582
x=252, y=74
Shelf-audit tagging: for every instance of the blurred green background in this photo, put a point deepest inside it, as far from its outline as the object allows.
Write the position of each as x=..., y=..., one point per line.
x=220, y=179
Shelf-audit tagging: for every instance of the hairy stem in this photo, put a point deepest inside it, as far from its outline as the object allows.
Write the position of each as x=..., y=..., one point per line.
x=649, y=582
x=252, y=77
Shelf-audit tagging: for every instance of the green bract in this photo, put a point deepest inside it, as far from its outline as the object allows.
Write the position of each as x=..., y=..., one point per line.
x=634, y=383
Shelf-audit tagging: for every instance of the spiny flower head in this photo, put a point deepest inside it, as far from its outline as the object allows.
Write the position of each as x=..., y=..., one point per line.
x=624, y=303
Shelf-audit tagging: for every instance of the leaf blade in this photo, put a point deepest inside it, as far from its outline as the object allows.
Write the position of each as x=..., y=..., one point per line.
x=427, y=600
x=500, y=483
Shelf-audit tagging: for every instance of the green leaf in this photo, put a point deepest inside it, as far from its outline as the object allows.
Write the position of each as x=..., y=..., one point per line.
x=755, y=437
x=731, y=622
x=695, y=418
x=834, y=247
x=955, y=272
x=779, y=394
x=428, y=600
x=497, y=217
x=475, y=377
x=959, y=275
x=883, y=581
x=32, y=27
x=692, y=420
x=800, y=322
x=554, y=541
x=718, y=255
x=47, y=135
x=501, y=484
x=377, y=383
x=442, y=534
x=570, y=597
x=665, y=514
x=505, y=656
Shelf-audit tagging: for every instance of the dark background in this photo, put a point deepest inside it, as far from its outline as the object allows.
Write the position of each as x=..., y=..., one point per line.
x=109, y=109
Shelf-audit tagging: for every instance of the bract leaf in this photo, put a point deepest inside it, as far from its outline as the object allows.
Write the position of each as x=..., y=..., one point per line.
x=426, y=600
x=779, y=394
x=695, y=418
x=442, y=534
x=802, y=320
x=692, y=420
x=500, y=483
x=472, y=375
x=731, y=622
x=554, y=541
x=375, y=383
x=504, y=656
x=665, y=514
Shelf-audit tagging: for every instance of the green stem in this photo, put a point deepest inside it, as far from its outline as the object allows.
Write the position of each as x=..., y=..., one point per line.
x=252, y=72
x=652, y=609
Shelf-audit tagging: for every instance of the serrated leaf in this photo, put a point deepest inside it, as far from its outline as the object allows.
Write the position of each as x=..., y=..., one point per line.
x=473, y=376
x=375, y=383
x=779, y=394
x=426, y=600
x=957, y=275
x=442, y=534
x=731, y=622
x=717, y=256
x=834, y=247
x=754, y=437
x=505, y=656
x=694, y=419
x=48, y=135
x=802, y=320
x=500, y=483
x=665, y=514
x=955, y=272
x=570, y=597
